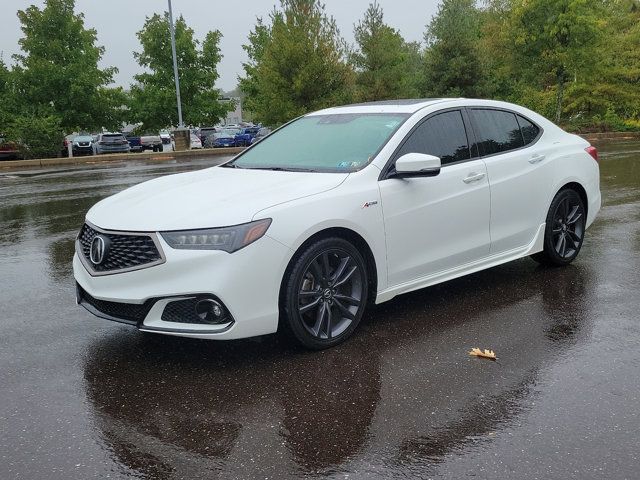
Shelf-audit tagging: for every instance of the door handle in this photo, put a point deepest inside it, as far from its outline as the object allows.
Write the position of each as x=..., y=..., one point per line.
x=474, y=177
x=536, y=159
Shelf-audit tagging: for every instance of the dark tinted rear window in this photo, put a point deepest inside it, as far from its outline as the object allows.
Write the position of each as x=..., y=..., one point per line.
x=529, y=130
x=497, y=131
x=442, y=135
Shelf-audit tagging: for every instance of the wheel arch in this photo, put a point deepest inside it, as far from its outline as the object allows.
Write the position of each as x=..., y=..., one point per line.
x=580, y=190
x=347, y=234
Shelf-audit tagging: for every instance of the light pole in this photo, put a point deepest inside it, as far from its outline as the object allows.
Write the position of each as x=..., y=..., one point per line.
x=175, y=66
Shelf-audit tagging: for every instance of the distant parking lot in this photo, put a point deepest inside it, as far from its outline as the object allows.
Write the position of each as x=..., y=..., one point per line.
x=85, y=398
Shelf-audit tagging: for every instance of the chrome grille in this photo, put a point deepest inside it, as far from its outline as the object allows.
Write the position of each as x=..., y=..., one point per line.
x=127, y=251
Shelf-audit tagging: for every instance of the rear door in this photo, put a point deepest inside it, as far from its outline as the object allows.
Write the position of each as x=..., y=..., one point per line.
x=433, y=224
x=517, y=167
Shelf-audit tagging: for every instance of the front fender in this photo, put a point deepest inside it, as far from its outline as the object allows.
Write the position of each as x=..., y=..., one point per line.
x=353, y=205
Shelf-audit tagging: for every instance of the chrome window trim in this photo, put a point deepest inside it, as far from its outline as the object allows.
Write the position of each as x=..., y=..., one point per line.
x=87, y=264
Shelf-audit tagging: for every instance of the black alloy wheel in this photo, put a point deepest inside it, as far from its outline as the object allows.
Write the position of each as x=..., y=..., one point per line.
x=326, y=293
x=565, y=229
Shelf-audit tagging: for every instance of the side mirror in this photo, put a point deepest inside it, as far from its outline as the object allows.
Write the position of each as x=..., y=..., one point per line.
x=417, y=165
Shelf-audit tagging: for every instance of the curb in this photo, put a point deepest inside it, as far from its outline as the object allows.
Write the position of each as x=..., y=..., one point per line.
x=119, y=157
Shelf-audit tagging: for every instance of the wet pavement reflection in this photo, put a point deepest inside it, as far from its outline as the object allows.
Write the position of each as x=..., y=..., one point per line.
x=82, y=398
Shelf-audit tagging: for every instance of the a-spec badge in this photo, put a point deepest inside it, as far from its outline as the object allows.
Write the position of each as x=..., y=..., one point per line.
x=369, y=204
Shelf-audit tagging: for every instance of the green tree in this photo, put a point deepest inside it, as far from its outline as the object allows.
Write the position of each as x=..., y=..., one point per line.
x=297, y=63
x=555, y=41
x=384, y=62
x=452, y=60
x=57, y=73
x=38, y=135
x=7, y=96
x=153, y=98
x=249, y=87
x=609, y=86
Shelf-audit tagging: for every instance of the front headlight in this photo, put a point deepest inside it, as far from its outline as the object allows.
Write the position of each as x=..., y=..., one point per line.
x=229, y=239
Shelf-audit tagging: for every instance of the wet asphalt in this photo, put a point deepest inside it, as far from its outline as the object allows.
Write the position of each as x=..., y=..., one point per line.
x=82, y=398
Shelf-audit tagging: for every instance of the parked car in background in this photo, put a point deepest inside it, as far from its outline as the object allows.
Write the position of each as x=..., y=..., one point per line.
x=134, y=143
x=165, y=137
x=151, y=141
x=111, y=143
x=243, y=139
x=195, y=142
x=205, y=133
x=225, y=138
x=8, y=150
x=64, y=148
x=82, y=144
x=263, y=132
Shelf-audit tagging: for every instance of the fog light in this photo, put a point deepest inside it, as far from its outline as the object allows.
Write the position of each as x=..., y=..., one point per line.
x=210, y=311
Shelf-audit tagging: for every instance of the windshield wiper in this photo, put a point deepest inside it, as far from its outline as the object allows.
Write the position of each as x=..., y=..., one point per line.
x=282, y=169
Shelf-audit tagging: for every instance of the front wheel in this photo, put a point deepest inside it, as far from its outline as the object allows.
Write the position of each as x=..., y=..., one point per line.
x=564, y=230
x=325, y=293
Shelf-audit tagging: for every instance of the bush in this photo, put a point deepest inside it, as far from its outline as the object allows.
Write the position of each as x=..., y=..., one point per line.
x=36, y=136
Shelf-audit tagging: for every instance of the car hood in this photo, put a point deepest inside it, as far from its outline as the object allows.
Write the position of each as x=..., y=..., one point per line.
x=214, y=197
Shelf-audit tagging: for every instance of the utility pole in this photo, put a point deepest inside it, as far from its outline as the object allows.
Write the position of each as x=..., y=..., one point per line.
x=175, y=66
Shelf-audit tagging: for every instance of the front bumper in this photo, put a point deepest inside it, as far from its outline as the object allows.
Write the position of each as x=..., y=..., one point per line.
x=113, y=149
x=82, y=150
x=246, y=282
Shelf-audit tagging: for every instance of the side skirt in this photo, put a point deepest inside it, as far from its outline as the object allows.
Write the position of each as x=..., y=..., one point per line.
x=536, y=245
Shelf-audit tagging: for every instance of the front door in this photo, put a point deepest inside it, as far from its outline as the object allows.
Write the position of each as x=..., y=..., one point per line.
x=433, y=224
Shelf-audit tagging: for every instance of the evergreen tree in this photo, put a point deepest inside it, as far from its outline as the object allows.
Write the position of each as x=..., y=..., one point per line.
x=452, y=61
x=296, y=63
x=385, y=63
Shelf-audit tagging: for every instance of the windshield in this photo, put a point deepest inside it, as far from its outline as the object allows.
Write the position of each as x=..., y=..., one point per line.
x=227, y=133
x=334, y=143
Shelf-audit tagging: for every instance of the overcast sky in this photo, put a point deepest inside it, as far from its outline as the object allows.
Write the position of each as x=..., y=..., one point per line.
x=117, y=22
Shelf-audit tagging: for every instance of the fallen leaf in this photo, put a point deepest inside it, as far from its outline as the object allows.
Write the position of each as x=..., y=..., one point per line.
x=490, y=354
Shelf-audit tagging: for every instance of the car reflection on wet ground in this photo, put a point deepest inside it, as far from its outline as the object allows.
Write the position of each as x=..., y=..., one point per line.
x=81, y=397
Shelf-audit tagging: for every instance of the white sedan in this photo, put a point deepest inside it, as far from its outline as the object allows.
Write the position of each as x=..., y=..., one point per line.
x=336, y=210
x=196, y=143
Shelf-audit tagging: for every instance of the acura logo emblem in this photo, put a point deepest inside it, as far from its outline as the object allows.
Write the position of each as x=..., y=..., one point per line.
x=98, y=249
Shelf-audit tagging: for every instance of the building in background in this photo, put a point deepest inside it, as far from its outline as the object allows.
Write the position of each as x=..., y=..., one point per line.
x=234, y=116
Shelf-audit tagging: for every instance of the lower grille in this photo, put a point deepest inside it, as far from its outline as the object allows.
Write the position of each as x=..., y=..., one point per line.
x=127, y=312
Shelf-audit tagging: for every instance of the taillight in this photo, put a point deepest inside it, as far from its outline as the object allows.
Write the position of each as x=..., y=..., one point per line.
x=593, y=151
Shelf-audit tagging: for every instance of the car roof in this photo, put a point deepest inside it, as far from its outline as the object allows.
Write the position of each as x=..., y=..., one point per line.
x=410, y=105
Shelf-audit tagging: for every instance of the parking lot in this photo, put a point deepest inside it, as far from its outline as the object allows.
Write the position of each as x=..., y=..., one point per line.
x=81, y=397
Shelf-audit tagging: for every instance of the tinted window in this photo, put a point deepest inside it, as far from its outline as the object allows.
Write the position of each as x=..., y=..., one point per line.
x=528, y=129
x=498, y=131
x=442, y=135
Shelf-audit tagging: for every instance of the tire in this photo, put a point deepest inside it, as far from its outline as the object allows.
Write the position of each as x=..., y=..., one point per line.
x=564, y=231
x=325, y=293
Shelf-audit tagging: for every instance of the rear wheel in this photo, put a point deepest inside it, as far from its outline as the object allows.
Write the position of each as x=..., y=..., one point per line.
x=565, y=229
x=325, y=293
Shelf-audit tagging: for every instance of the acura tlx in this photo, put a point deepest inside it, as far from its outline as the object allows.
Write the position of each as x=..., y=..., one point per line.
x=334, y=211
